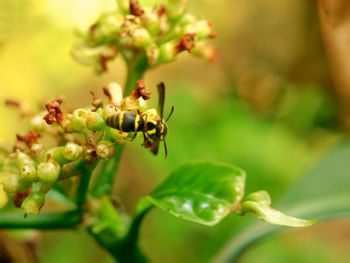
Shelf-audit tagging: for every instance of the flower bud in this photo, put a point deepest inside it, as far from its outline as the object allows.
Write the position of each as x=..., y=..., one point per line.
x=123, y=6
x=78, y=120
x=105, y=149
x=108, y=26
x=115, y=135
x=202, y=29
x=114, y=92
x=3, y=196
x=167, y=52
x=72, y=151
x=37, y=123
x=37, y=150
x=151, y=21
x=11, y=183
x=206, y=51
x=48, y=172
x=95, y=122
x=176, y=8
x=33, y=203
x=141, y=38
x=26, y=166
x=56, y=154
x=96, y=57
x=152, y=53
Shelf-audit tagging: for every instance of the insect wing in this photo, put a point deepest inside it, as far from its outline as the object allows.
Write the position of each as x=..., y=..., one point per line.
x=161, y=98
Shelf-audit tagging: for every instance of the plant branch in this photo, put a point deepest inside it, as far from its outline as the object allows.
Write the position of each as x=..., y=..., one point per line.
x=62, y=220
x=108, y=169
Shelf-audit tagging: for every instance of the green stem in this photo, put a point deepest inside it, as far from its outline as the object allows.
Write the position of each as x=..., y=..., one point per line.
x=104, y=181
x=62, y=220
x=136, y=70
x=108, y=169
x=84, y=181
x=126, y=249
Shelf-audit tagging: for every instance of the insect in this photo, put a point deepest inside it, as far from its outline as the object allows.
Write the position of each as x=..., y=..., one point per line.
x=150, y=123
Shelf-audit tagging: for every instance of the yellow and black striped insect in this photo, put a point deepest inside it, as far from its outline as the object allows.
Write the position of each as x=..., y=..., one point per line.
x=150, y=123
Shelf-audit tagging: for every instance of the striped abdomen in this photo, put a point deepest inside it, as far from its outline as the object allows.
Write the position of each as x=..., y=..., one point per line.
x=126, y=121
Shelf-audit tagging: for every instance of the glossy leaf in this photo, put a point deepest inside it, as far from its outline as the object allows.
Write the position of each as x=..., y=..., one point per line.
x=323, y=194
x=202, y=192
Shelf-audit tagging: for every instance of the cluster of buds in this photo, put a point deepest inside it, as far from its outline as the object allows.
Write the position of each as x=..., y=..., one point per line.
x=82, y=137
x=157, y=34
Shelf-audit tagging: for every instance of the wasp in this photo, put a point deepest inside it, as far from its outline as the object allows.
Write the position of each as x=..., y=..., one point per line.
x=150, y=123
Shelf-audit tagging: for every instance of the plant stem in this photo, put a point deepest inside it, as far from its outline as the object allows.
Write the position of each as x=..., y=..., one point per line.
x=62, y=220
x=105, y=179
x=124, y=249
x=84, y=181
x=108, y=169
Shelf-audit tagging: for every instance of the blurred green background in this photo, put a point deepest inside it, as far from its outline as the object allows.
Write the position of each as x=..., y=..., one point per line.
x=266, y=105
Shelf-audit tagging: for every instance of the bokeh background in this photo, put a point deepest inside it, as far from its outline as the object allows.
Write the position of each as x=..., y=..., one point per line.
x=268, y=105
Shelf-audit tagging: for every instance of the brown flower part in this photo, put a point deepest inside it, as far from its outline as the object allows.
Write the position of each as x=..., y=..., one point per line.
x=54, y=112
x=213, y=33
x=18, y=106
x=135, y=8
x=13, y=103
x=19, y=197
x=186, y=43
x=141, y=91
x=161, y=11
x=96, y=102
x=107, y=93
x=29, y=139
x=103, y=62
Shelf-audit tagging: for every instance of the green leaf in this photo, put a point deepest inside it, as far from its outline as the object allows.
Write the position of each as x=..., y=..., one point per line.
x=259, y=203
x=322, y=194
x=202, y=192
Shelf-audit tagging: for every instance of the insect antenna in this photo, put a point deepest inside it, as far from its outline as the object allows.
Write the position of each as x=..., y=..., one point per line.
x=165, y=149
x=171, y=113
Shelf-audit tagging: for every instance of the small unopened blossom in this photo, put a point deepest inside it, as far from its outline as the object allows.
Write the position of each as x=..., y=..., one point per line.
x=33, y=203
x=105, y=150
x=72, y=151
x=157, y=34
x=48, y=172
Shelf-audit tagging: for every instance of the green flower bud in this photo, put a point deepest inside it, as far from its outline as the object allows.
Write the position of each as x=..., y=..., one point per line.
x=95, y=121
x=56, y=154
x=123, y=6
x=176, y=9
x=48, y=172
x=105, y=149
x=12, y=183
x=202, y=29
x=72, y=151
x=108, y=26
x=151, y=21
x=33, y=203
x=91, y=56
x=152, y=53
x=3, y=196
x=26, y=166
x=38, y=124
x=206, y=51
x=37, y=150
x=115, y=135
x=141, y=38
x=167, y=52
x=29, y=172
x=78, y=120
